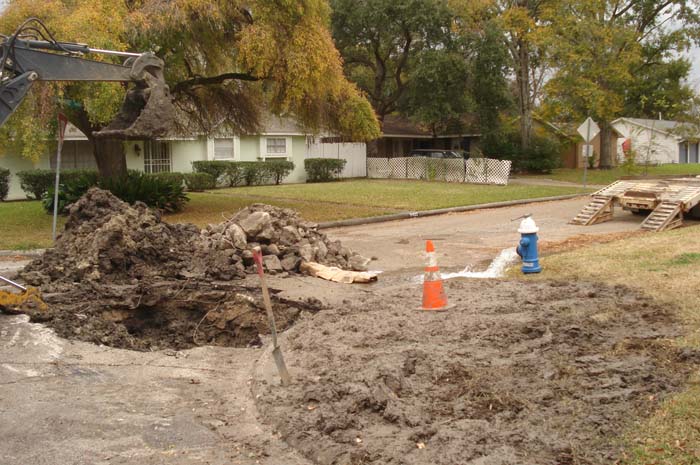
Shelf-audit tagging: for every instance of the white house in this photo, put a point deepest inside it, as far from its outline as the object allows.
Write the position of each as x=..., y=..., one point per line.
x=657, y=141
x=282, y=138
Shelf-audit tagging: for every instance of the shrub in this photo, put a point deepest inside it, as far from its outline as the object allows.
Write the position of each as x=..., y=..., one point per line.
x=36, y=183
x=278, y=169
x=69, y=191
x=323, y=169
x=177, y=178
x=215, y=168
x=4, y=183
x=543, y=155
x=197, y=182
x=155, y=191
x=254, y=172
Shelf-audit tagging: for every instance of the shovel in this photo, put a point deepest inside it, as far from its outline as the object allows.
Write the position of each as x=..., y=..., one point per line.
x=276, y=352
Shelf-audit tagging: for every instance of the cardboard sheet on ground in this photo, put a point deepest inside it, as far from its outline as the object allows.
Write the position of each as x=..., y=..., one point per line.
x=335, y=274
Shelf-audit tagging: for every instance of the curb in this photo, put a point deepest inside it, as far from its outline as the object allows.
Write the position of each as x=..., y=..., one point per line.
x=441, y=211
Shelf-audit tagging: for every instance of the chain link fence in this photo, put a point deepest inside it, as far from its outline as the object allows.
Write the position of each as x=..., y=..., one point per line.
x=474, y=170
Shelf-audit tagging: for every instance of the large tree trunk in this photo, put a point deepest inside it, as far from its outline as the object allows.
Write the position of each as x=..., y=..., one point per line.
x=109, y=154
x=607, y=146
x=110, y=157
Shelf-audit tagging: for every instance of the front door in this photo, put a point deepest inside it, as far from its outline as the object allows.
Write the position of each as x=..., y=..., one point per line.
x=683, y=152
x=693, y=153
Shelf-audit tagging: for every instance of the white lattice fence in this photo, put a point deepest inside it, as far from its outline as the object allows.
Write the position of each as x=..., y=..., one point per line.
x=475, y=170
x=487, y=171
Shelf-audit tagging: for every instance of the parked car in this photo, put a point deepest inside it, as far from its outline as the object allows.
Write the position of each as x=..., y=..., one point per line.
x=438, y=153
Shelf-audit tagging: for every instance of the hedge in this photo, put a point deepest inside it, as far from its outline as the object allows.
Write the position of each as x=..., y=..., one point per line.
x=235, y=173
x=323, y=169
x=36, y=183
x=198, y=182
x=4, y=183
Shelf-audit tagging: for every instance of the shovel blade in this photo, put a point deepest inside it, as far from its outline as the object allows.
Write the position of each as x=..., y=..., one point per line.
x=281, y=367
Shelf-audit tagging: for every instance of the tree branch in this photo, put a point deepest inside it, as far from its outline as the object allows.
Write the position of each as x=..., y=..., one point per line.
x=205, y=81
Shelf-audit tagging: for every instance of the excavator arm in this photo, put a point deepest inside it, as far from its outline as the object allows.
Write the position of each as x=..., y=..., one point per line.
x=147, y=111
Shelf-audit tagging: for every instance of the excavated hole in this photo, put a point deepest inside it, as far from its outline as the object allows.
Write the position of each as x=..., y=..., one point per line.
x=170, y=315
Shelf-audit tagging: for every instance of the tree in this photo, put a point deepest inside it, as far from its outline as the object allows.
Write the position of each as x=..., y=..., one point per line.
x=522, y=34
x=602, y=48
x=222, y=65
x=490, y=87
x=382, y=42
x=438, y=93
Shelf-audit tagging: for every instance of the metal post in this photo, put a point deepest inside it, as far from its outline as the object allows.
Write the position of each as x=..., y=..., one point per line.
x=587, y=155
x=55, y=191
x=62, y=123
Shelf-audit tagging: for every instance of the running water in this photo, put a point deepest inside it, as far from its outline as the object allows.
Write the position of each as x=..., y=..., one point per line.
x=495, y=270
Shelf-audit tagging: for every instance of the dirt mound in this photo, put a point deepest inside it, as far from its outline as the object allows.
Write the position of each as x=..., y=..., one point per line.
x=120, y=276
x=106, y=240
x=516, y=373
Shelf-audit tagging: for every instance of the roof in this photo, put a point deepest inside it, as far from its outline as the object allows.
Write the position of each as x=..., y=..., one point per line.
x=678, y=129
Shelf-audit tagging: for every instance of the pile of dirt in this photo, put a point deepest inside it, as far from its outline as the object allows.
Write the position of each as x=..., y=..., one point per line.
x=106, y=240
x=121, y=276
x=515, y=373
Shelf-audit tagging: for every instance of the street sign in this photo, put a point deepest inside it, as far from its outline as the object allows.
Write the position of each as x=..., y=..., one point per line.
x=587, y=150
x=588, y=130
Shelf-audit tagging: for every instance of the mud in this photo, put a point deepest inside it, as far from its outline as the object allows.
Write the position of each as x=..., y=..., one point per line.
x=516, y=373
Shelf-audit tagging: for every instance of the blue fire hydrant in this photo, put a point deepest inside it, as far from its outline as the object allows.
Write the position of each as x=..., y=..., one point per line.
x=527, y=248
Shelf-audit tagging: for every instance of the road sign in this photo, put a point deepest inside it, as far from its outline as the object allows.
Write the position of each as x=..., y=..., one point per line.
x=588, y=130
x=587, y=150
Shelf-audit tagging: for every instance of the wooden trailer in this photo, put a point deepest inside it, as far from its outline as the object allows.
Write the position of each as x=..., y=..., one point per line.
x=667, y=200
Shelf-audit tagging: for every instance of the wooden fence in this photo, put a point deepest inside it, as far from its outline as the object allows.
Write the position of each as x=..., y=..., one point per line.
x=474, y=170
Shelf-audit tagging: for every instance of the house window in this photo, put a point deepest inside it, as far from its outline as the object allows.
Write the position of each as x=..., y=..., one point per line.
x=156, y=157
x=223, y=149
x=276, y=147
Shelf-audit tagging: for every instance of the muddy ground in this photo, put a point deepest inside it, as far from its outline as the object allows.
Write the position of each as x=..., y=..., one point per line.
x=515, y=373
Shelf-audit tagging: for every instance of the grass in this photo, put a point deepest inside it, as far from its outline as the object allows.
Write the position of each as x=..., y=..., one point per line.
x=665, y=266
x=25, y=225
x=608, y=176
x=398, y=195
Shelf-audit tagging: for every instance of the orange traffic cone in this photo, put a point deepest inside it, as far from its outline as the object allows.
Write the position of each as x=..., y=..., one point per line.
x=434, y=297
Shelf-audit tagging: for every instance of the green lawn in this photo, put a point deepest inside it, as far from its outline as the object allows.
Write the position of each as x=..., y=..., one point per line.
x=24, y=225
x=608, y=176
x=665, y=266
x=396, y=195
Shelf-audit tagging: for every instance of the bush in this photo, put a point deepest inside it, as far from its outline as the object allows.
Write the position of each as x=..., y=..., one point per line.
x=155, y=192
x=158, y=192
x=215, y=168
x=323, y=169
x=4, y=183
x=250, y=173
x=176, y=178
x=69, y=191
x=36, y=183
x=254, y=173
x=543, y=155
x=197, y=182
x=278, y=169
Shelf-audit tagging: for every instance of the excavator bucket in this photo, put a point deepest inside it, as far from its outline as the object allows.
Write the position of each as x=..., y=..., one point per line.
x=147, y=111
